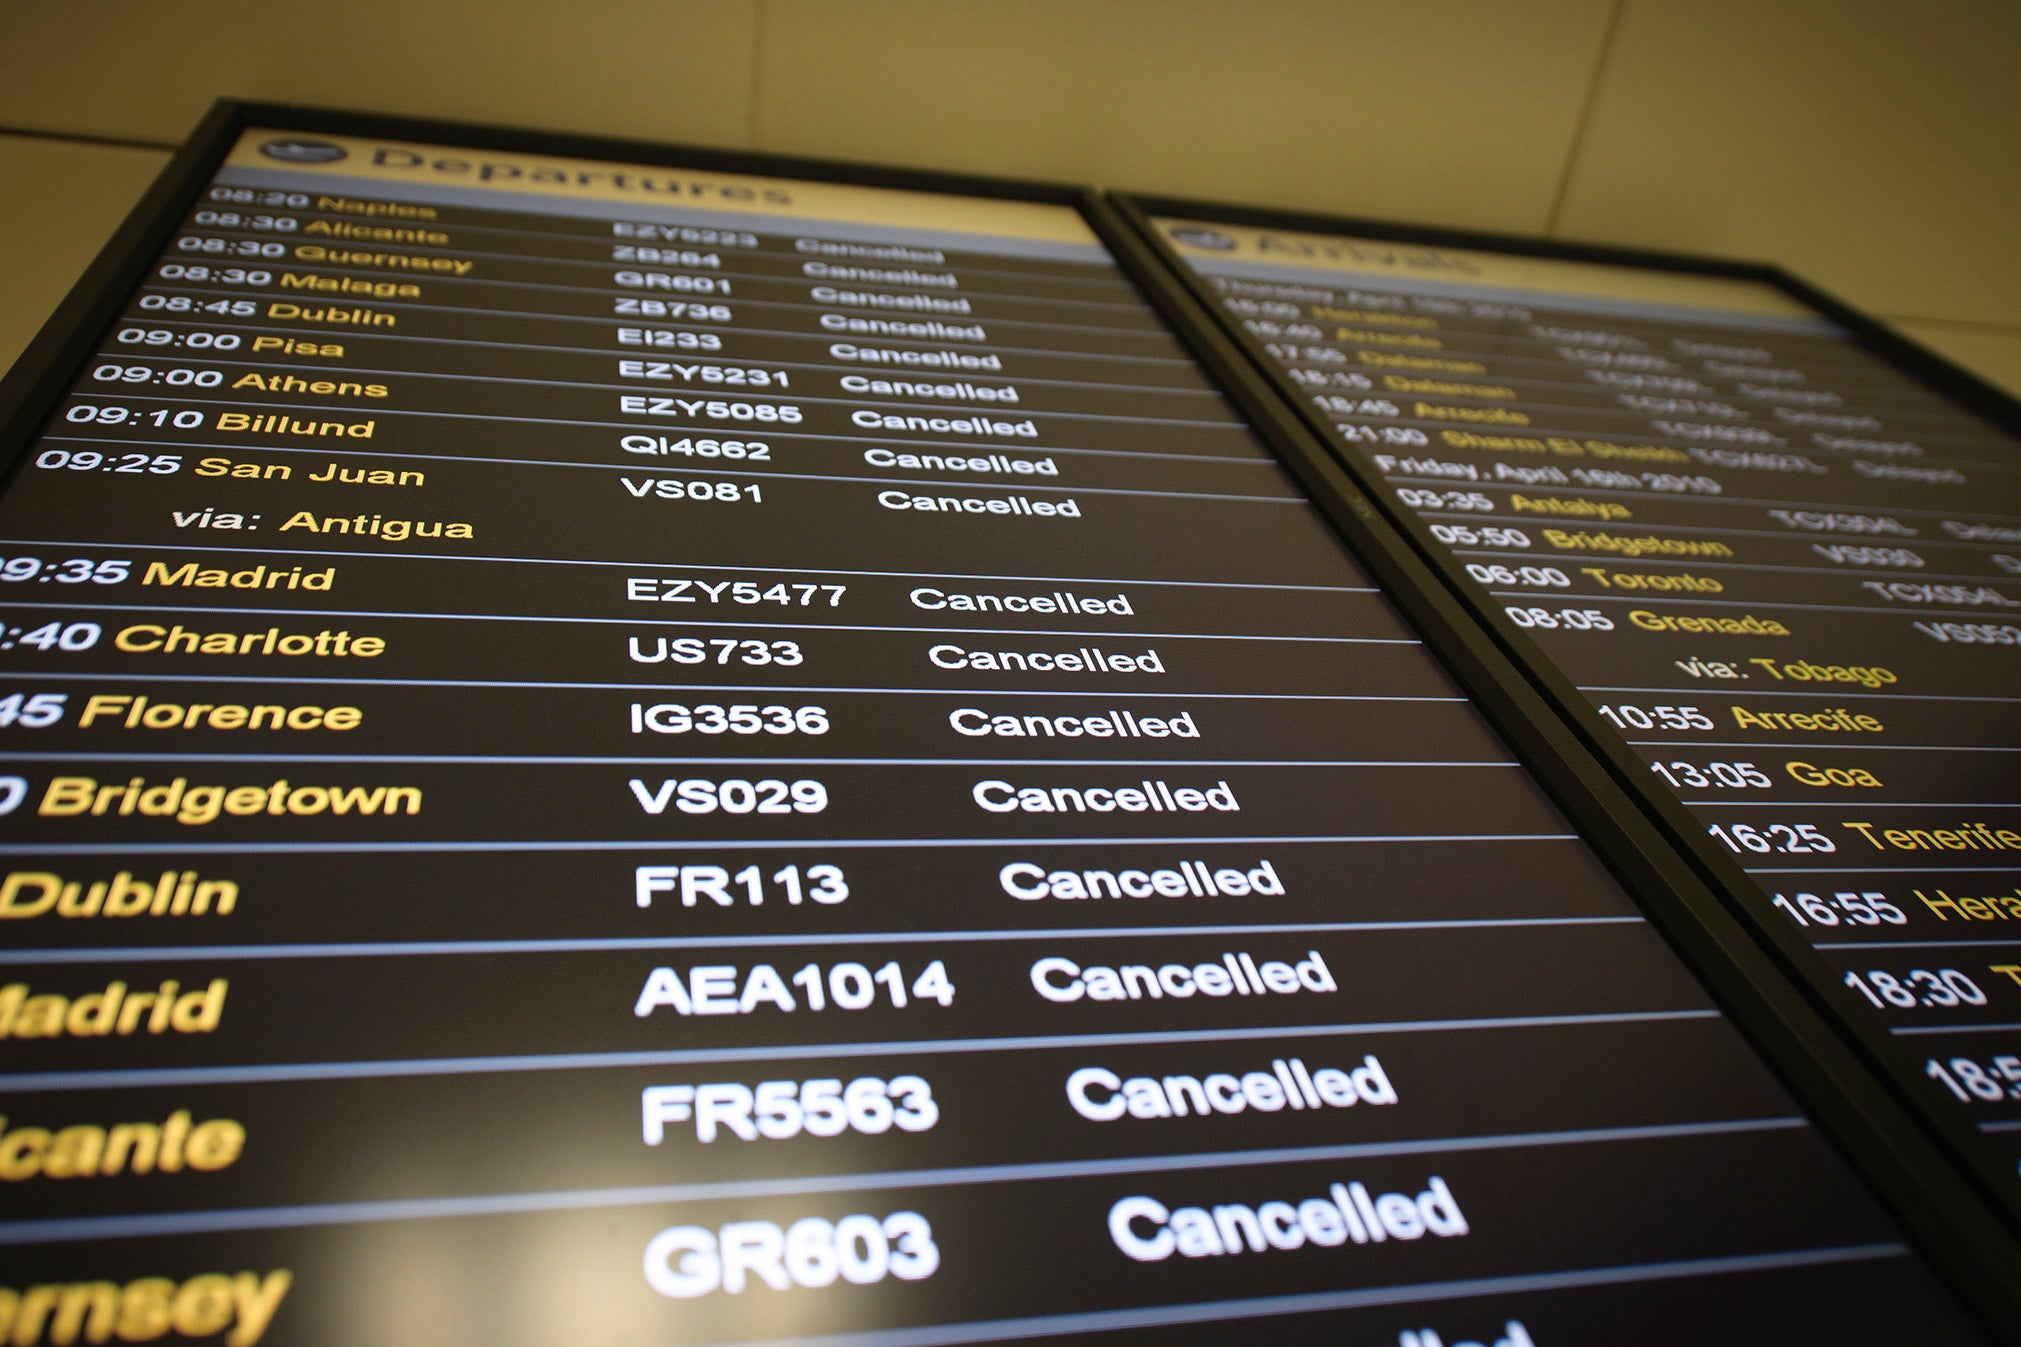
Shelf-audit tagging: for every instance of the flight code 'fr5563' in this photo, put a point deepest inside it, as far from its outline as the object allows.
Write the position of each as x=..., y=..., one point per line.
x=779, y=1110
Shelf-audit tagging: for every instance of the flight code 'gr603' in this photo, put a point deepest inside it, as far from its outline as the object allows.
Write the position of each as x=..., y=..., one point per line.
x=779, y=1110
x=688, y=1260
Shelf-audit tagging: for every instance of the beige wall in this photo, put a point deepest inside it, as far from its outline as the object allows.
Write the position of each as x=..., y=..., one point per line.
x=1872, y=147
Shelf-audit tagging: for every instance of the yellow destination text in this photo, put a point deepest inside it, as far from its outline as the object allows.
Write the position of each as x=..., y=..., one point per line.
x=290, y=383
x=1647, y=545
x=253, y=577
x=378, y=526
x=59, y=1314
x=1571, y=505
x=329, y=472
x=77, y=796
x=25, y=894
x=349, y=285
x=295, y=313
x=1745, y=625
x=1495, y=416
x=1959, y=837
x=363, y=233
x=347, y=257
x=1836, y=720
x=279, y=424
x=114, y=1011
x=1398, y=383
x=396, y=209
x=1984, y=907
x=84, y=1151
x=134, y=711
x=148, y=638
x=1654, y=581
x=1415, y=340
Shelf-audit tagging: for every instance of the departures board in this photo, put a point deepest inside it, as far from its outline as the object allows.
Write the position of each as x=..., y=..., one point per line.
x=1778, y=574
x=617, y=748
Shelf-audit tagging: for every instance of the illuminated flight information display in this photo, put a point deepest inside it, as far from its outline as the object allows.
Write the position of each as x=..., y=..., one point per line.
x=1785, y=573
x=613, y=754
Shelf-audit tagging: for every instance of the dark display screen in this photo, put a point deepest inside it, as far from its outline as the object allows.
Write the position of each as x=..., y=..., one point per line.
x=614, y=755
x=1787, y=574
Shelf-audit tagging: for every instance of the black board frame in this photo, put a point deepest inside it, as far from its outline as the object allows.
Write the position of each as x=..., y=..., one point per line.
x=1579, y=729
x=1942, y=1212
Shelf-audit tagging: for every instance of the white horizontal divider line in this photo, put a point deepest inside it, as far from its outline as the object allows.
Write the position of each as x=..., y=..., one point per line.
x=240, y=323
x=740, y=622
x=148, y=1077
x=418, y=1209
x=756, y=843
x=311, y=680
x=1217, y=1311
x=675, y=567
x=621, y=944
x=1918, y=1030
x=1841, y=694
x=693, y=760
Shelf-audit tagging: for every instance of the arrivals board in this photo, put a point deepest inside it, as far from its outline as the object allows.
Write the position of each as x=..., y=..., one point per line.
x=1779, y=569
x=623, y=752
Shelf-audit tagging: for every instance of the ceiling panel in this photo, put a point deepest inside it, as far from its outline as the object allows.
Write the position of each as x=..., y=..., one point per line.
x=1872, y=146
x=50, y=232
x=662, y=69
x=1454, y=111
